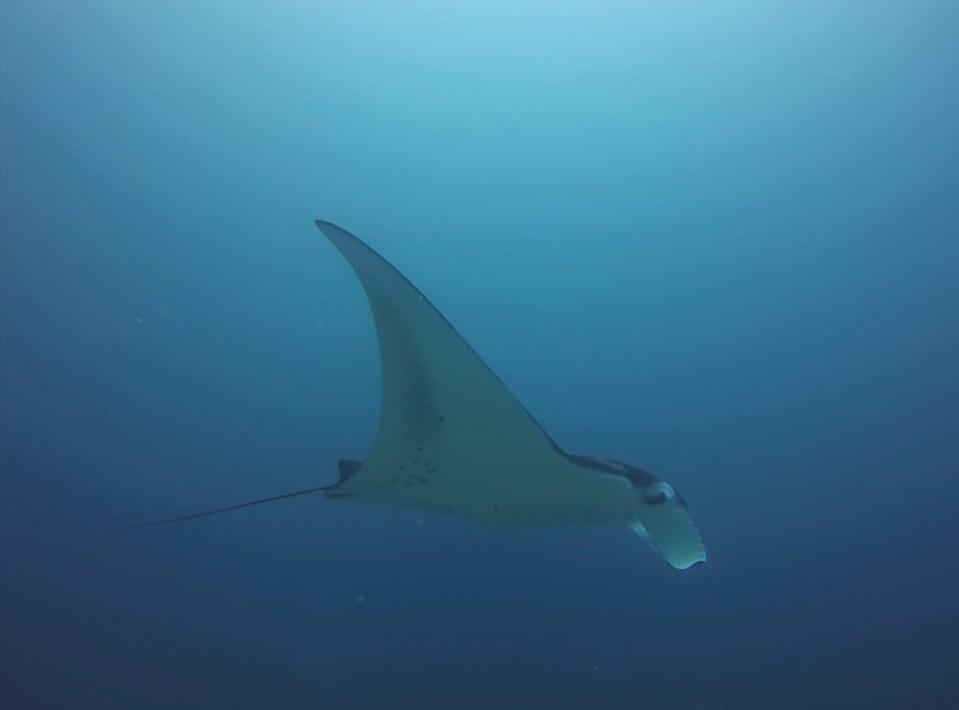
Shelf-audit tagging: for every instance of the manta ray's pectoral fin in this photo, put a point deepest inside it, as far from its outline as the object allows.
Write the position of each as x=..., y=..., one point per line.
x=452, y=438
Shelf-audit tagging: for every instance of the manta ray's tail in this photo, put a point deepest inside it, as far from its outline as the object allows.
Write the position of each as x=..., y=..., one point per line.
x=226, y=509
x=347, y=467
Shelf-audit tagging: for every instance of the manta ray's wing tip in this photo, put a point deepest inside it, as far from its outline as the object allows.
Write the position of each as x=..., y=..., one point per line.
x=334, y=232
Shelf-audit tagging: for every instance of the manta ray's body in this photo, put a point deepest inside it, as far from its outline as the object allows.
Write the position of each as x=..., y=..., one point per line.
x=452, y=438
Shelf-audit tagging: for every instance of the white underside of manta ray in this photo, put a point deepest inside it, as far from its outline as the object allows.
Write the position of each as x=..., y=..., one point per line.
x=452, y=438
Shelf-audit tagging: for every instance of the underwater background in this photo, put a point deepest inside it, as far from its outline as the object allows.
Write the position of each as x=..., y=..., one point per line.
x=717, y=240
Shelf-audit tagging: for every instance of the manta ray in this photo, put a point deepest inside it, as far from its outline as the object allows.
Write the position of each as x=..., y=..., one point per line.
x=453, y=439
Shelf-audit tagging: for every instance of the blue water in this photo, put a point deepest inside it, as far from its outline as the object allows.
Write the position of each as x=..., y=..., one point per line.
x=717, y=240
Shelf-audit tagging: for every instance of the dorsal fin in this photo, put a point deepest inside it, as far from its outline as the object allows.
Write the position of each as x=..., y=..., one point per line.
x=347, y=468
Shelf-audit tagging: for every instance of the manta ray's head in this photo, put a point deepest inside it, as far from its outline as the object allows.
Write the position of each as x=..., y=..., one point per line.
x=650, y=489
x=660, y=514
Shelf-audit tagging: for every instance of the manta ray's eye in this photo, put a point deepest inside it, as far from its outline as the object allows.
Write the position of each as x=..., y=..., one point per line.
x=654, y=497
x=658, y=493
